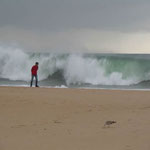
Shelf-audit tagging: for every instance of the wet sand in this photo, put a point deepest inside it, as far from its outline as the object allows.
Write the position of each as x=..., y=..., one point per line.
x=73, y=119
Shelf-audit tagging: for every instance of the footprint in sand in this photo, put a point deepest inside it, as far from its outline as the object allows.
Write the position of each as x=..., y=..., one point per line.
x=18, y=126
x=57, y=121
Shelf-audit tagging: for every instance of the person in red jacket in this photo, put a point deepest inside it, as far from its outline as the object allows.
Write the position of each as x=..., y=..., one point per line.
x=34, y=70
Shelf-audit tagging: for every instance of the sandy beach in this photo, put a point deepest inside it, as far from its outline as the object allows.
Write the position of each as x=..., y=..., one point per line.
x=73, y=119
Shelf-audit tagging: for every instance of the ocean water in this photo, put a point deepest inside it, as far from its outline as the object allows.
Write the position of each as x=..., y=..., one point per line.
x=84, y=70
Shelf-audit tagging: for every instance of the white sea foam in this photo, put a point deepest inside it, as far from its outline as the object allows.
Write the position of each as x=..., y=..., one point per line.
x=80, y=70
x=15, y=64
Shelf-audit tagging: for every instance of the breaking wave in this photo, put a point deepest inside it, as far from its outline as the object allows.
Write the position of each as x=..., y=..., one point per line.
x=95, y=69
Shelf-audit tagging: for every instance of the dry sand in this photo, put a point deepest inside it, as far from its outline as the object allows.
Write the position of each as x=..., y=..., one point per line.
x=73, y=119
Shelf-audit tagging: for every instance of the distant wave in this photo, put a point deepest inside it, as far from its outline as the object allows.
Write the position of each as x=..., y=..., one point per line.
x=95, y=69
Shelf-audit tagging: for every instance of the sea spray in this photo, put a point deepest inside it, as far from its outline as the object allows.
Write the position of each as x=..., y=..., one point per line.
x=75, y=69
x=81, y=70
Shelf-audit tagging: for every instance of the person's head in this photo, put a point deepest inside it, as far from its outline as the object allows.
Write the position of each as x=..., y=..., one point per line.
x=37, y=63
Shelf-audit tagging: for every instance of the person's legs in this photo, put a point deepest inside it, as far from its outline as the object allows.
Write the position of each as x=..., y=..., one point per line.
x=31, y=80
x=36, y=81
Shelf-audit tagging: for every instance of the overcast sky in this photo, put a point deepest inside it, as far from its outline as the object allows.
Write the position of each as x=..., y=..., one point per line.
x=76, y=25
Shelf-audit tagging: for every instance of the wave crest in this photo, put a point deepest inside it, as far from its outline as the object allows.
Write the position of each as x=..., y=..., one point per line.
x=95, y=69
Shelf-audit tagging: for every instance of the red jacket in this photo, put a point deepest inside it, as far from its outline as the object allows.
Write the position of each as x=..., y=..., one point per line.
x=34, y=70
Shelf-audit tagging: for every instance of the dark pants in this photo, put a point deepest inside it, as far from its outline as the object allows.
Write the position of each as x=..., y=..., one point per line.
x=36, y=80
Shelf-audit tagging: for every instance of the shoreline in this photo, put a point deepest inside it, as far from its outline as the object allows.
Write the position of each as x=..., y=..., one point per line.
x=86, y=88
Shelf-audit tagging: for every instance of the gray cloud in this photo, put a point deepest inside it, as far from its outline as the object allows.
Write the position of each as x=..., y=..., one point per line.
x=63, y=14
x=68, y=24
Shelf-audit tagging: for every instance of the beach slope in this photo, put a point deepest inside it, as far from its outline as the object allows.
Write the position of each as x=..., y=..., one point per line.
x=73, y=119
